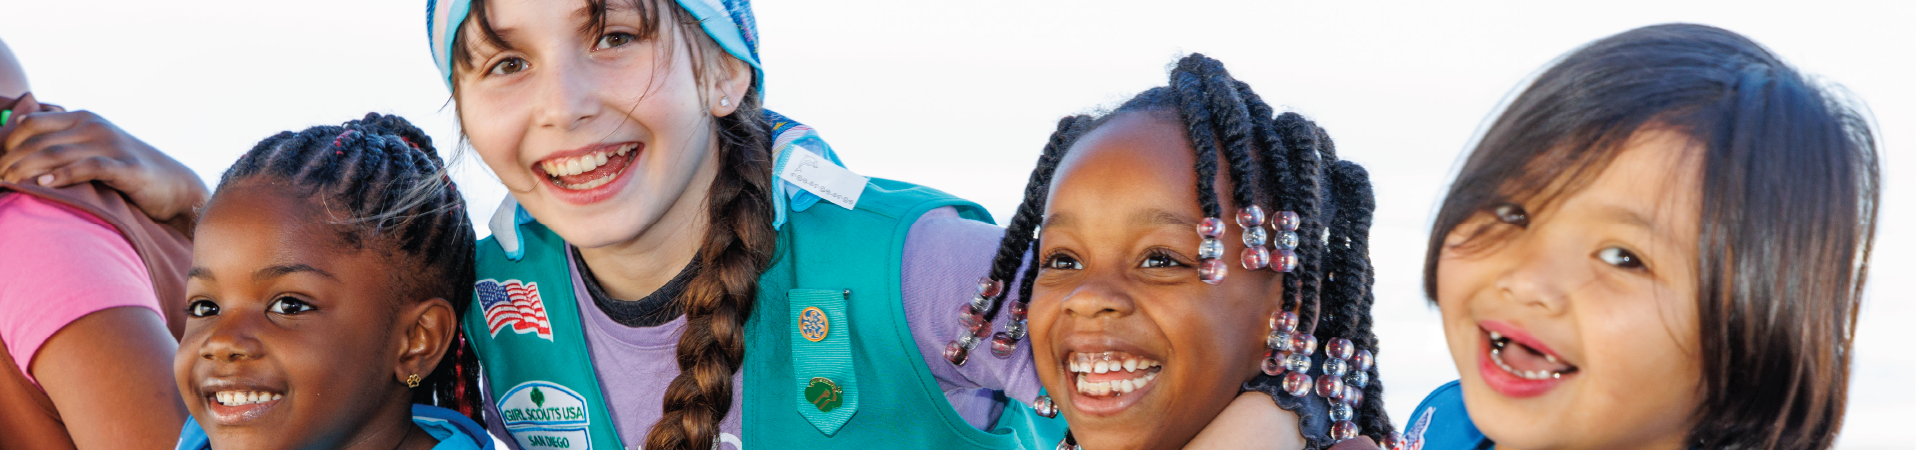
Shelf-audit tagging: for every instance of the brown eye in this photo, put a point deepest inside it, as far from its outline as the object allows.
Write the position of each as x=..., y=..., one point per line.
x=509, y=66
x=289, y=306
x=1062, y=262
x=202, y=308
x=612, y=40
x=1511, y=214
x=1622, y=258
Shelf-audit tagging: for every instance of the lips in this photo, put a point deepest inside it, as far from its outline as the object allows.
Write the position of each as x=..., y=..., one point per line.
x=1107, y=381
x=232, y=402
x=589, y=174
x=1515, y=364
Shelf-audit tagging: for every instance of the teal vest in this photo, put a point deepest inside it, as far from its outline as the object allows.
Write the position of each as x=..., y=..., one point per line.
x=830, y=362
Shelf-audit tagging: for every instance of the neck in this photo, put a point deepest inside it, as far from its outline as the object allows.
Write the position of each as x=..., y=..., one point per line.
x=391, y=427
x=634, y=268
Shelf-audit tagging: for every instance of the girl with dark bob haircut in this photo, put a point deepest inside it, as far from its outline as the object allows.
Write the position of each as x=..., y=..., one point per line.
x=1661, y=243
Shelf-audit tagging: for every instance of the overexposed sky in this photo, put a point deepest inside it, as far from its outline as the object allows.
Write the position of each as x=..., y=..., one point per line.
x=962, y=95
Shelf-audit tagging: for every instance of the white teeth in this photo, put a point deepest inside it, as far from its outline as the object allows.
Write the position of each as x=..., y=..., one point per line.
x=1083, y=365
x=238, y=398
x=1527, y=374
x=584, y=163
x=1101, y=367
x=1130, y=365
x=1494, y=334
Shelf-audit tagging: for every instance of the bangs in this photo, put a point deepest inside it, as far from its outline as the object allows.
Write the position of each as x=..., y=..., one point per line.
x=596, y=23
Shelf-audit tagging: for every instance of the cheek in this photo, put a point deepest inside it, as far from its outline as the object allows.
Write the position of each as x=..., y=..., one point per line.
x=1647, y=336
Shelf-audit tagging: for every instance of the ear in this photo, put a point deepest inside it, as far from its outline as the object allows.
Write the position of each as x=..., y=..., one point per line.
x=730, y=84
x=426, y=330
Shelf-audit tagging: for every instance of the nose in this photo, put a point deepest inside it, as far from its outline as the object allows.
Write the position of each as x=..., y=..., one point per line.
x=565, y=99
x=1542, y=276
x=1099, y=296
x=231, y=339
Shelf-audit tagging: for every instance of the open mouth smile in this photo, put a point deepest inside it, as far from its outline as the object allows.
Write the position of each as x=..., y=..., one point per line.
x=1106, y=383
x=591, y=170
x=1516, y=365
x=238, y=406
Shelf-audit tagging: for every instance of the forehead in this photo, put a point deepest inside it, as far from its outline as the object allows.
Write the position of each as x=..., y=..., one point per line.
x=257, y=223
x=1653, y=181
x=1132, y=158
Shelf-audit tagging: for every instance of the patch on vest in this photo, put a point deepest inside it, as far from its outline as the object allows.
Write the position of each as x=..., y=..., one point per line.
x=813, y=324
x=823, y=393
x=511, y=304
x=1417, y=433
x=543, y=415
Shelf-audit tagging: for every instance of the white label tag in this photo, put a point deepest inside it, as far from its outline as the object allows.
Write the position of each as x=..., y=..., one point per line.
x=823, y=178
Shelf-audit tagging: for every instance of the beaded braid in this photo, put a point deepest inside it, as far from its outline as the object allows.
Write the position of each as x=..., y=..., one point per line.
x=977, y=317
x=1353, y=191
x=1300, y=144
x=386, y=189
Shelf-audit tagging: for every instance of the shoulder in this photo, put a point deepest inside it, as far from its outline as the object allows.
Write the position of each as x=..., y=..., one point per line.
x=192, y=437
x=1441, y=421
x=455, y=431
x=57, y=265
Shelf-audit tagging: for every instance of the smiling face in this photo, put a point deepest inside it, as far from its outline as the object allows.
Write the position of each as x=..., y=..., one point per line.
x=1577, y=327
x=600, y=134
x=1136, y=349
x=292, y=340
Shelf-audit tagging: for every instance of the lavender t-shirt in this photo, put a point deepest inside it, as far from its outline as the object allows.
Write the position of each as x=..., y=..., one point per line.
x=943, y=258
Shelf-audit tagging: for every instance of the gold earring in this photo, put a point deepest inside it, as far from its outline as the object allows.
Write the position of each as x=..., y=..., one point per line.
x=413, y=381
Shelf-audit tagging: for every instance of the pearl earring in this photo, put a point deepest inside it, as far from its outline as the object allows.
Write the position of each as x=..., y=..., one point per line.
x=724, y=102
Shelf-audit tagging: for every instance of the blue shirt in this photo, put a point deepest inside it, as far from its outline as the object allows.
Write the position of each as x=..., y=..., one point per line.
x=455, y=431
x=1441, y=423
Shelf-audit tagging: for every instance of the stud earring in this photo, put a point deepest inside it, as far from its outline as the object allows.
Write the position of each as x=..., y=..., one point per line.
x=1212, y=270
x=413, y=381
x=724, y=102
x=1253, y=233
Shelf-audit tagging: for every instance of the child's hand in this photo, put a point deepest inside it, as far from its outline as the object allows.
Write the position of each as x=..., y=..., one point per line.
x=1252, y=421
x=58, y=148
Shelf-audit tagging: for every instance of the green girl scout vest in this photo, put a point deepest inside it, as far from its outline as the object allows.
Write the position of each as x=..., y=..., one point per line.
x=830, y=362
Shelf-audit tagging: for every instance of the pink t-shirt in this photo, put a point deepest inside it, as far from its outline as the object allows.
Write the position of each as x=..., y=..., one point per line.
x=58, y=264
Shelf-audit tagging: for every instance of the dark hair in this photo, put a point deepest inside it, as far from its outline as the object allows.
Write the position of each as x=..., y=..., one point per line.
x=1790, y=180
x=738, y=245
x=387, y=191
x=1285, y=160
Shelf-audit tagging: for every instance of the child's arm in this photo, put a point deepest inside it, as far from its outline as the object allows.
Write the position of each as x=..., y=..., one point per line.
x=1252, y=421
x=110, y=374
x=60, y=148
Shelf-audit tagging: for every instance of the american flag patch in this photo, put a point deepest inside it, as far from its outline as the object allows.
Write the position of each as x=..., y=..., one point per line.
x=511, y=304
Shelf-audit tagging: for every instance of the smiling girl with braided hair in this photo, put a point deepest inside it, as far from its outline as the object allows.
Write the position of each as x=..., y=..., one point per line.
x=1142, y=341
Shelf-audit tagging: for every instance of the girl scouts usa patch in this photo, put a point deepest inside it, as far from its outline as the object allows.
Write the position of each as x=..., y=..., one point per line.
x=544, y=415
x=513, y=305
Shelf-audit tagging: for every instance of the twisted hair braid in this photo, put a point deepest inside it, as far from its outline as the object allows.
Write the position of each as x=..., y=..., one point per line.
x=1026, y=219
x=1353, y=191
x=386, y=190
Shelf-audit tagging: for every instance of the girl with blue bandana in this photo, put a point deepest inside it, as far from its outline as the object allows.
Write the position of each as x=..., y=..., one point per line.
x=675, y=262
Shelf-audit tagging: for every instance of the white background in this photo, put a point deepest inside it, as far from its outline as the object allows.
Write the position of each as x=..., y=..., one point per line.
x=962, y=95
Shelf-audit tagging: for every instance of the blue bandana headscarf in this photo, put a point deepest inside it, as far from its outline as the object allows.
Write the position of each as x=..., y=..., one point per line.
x=730, y=23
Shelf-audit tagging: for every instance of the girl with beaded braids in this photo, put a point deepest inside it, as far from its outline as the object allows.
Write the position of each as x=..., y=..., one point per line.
x=329, y=274
x=1142, y=340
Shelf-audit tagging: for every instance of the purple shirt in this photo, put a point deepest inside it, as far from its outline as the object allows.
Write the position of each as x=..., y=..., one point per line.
x=944, y=257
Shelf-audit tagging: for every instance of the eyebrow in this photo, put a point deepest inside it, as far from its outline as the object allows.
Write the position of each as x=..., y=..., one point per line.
x=283, y=270
x=1628, y=216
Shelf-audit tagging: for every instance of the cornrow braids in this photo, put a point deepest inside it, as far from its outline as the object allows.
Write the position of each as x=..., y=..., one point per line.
x=738, y=246
x=385, y=189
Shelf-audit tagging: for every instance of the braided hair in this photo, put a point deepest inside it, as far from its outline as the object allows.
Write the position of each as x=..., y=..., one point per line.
x=386, y=190
x=1286, y=161
x=737, y=247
